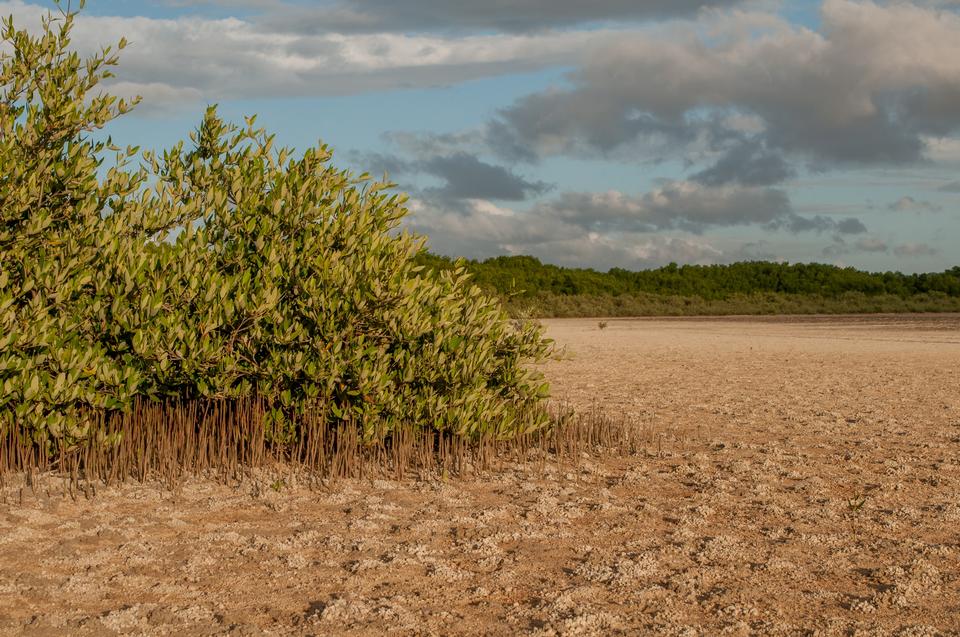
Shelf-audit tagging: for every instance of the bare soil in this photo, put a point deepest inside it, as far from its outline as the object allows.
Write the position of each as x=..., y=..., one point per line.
x=802, y=477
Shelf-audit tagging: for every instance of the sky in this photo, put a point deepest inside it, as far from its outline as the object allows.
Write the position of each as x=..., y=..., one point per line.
x=610, y=133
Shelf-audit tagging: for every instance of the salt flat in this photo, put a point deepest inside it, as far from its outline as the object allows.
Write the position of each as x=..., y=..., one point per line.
x=802, y=476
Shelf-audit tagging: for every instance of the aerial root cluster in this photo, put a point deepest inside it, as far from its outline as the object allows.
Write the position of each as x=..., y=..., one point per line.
x=228, y=441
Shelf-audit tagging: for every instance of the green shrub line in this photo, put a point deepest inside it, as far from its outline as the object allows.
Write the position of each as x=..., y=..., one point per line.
x=528, y=287
x=546, y=305
x=223, y=269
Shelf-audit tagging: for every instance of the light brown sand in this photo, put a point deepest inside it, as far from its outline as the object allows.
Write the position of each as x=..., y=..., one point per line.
x=805, y=479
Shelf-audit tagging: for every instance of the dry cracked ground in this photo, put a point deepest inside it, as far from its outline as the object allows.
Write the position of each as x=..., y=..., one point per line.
x=803, y=478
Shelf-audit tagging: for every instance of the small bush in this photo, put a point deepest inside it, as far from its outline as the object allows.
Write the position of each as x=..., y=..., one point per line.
x=225, y=269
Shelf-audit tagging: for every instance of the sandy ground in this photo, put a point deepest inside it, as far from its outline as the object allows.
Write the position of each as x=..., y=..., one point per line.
x=805, y=479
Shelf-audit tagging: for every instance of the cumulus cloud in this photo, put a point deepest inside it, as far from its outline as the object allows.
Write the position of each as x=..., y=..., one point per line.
x=241, y=58
x=819, y=224
x=614, y=228
x=850, y=225
x=872, y=86
x=879, y=83
x=481, y=229
x=676, y=205
x=748, y=164
x=465, y=176
x=909, y=204
x=744, y=99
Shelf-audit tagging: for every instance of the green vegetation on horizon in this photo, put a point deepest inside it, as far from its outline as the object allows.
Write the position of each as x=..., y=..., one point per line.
x=529, y=287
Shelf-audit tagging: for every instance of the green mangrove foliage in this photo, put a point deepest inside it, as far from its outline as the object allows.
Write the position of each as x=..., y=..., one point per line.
x=223, y=269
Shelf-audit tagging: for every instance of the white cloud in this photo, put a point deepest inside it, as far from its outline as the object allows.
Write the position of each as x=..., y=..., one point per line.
x=483, y=229
x=606, y=229
x=681, y=205
x=909, y=204
x=879, y=83
x=237, y=58
x=945, y=150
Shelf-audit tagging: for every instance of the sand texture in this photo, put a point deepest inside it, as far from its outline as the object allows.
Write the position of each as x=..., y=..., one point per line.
x=802, y=478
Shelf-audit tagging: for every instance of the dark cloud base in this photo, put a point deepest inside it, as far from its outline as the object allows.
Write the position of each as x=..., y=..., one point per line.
x=515, y=16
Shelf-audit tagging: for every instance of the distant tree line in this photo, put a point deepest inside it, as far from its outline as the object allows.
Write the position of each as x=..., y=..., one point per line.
x=745, y=287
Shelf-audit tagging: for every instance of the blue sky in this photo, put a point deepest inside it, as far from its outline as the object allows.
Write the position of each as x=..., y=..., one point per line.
x=625, y=133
